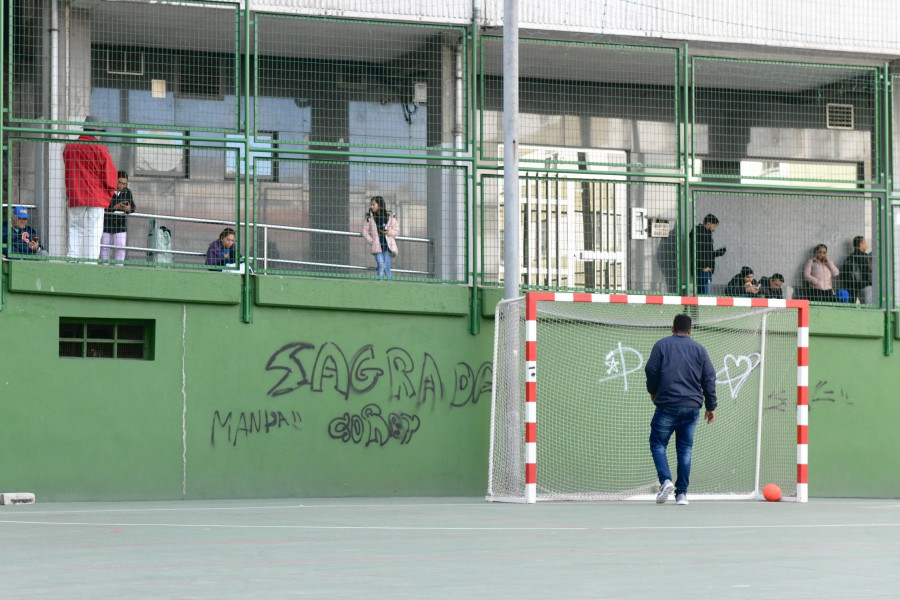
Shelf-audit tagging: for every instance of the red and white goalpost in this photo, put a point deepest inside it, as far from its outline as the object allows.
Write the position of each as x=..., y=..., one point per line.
x=595, y=412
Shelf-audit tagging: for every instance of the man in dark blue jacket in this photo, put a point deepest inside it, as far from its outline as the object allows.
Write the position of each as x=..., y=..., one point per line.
x=680, y=378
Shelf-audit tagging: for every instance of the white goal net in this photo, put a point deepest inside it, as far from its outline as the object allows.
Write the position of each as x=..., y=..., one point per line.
x=583, y=432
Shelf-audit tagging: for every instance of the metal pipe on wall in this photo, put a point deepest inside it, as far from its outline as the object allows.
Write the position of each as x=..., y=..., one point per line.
x=473, y=270
x=55, y=216
x=54, y=60
x=458, y=146
x=511, y=260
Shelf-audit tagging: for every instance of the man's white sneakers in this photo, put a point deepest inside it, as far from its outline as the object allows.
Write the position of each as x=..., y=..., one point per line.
x=681, y=499
x=664, y=490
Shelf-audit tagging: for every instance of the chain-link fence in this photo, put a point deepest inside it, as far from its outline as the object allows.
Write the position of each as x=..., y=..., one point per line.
x=167, y=200
x=593, y=105
x=807, y=246
x=282, y=127
x=769, y=122
x=750, y=124
x=305, y=224
x=579, y=233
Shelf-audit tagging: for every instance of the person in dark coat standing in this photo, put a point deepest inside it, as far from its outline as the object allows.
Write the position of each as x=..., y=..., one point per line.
x=704, y=252
x=115, y=223
x=856, y=274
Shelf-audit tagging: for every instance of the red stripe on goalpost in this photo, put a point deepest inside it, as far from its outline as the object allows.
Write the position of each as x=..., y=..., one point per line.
x=802, y=312
x=803, y=356
x=530, y=473
x=802, y=474
x=530, y=433
x=802, y=434
x=802, y=396
x=532, y=298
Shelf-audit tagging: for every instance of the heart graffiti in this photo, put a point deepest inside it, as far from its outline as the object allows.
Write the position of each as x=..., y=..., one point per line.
x=736, y=370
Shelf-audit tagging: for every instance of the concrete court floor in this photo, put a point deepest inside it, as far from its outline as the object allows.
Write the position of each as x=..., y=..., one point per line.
x=450, y=548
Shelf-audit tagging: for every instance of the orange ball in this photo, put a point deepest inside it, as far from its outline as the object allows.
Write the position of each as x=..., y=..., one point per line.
x=772, y=493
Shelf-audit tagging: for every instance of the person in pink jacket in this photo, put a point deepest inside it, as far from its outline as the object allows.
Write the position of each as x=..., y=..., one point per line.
x=379, y=231
x=819, y=273
x=91, y=178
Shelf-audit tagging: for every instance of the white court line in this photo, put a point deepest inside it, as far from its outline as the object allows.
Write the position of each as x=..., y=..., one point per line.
x=723, y=527
x=186, y=507
x=390, y=528
x=201, y=508
x=567, y=505
x=335, y=527
x=148, y=510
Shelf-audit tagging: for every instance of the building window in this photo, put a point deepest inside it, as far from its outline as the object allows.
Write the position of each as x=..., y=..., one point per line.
x=198, y=76
x=102, y=338
x=161, y=157
x=261, y=155
x=800, y=173
x=122, y=61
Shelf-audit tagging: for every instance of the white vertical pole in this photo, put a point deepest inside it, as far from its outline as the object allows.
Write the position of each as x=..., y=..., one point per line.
x=803, y=402
x=760, y=402
x=531, y=396
x=511, y=256
x=57, y=231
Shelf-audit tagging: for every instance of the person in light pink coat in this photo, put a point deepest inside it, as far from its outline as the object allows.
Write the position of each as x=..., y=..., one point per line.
x=379, y=231
x=819, y=274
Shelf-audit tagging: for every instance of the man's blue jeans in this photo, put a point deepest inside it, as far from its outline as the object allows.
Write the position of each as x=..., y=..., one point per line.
x=681, y=420
x=704, y=279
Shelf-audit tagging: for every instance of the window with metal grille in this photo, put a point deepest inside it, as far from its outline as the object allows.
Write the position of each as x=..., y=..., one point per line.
x=198, y=76
x=103, y=338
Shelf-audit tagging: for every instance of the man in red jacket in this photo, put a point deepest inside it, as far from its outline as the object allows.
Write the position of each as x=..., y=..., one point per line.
x=90, y=182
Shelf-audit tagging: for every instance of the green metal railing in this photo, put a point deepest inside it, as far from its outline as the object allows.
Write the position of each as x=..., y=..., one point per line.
x=286, y=124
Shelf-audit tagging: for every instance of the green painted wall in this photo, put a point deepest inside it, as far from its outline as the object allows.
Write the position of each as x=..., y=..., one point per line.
x=389, y=396
x=335, y=388
x=854, y=408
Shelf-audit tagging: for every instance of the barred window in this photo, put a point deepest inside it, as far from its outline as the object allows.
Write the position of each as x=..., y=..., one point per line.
x=101, y=338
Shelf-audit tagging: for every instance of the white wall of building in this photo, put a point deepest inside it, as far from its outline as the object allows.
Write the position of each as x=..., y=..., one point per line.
x=868, y=26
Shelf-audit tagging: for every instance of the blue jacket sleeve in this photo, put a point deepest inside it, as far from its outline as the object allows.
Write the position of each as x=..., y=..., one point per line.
x=708, y=382
x=652, y=369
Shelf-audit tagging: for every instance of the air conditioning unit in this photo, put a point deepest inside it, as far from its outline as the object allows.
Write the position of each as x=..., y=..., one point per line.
x=838, y=116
